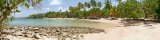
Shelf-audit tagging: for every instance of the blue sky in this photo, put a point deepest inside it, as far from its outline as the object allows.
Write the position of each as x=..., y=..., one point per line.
x=52, y=5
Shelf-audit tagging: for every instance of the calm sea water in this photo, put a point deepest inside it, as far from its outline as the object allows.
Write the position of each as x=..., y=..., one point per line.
x=54, y=23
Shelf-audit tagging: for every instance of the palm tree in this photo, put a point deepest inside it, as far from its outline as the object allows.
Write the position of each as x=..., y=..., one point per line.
x=108, y=4
x=113, y=12
x=108, y=7
x=87, y=4
x=99, y=4
x=93, y=3
x=80, y=5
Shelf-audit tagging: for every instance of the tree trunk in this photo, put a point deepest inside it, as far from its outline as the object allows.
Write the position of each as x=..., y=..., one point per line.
x=1, y=23
x=1, y=20
x=145, y=16
x=144, y=11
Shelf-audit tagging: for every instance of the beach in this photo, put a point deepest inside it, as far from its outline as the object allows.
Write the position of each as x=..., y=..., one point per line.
x=79, y=19
x=137, y=31
x=117, y=31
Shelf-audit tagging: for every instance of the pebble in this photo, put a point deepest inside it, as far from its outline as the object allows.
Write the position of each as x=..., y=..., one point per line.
x=37, y=36
x=39, y=32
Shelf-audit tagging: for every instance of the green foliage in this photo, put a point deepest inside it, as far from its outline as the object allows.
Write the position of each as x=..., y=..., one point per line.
x=80, y=6
x=26, y=5
x=80, y=11
x=99, y=4
x=129, y=9
x=11, y=6
x=158, y=10
x=149, y=7
x=93, y=3
x=87, y=4
x=107, y=5
x=34, y=16
x=132, y=9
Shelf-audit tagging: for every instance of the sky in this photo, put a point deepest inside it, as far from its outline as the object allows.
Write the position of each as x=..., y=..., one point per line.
x=52, y=5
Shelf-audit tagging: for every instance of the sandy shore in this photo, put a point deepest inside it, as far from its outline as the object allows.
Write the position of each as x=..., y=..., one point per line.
x=62, y=18
x=139, y=31
x=118, y=32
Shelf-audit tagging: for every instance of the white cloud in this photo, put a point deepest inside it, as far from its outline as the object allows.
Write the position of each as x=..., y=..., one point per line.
x=17, y=15
x=115, y=3
x=19, y=8
x=124, y=0
x=47, y=8
x=55, y=2
x=61, y=8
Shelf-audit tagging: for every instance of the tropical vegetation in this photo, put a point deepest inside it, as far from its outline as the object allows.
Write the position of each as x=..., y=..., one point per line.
x=7, y=7
x=130, y=9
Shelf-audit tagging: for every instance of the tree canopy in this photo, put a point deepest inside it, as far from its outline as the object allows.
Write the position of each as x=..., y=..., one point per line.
x=130, y=9
x=7, y=7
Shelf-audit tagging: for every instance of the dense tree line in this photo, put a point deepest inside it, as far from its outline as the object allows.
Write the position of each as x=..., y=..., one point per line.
x=158, y=10
x=34, y=16
x=131, y=9
x=90, y=9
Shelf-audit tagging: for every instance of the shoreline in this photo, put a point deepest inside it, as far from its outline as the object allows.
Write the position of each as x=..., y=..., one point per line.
x=140, y=32
x=106, y=23
x=101, y=20
x=119, y=31
x=133, y=31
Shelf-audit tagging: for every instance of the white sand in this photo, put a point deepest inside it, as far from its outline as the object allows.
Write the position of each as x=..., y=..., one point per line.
x=140, y=32
x=128, y=33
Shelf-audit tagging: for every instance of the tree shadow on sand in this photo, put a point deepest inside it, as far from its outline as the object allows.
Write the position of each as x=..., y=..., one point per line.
x=136, y=22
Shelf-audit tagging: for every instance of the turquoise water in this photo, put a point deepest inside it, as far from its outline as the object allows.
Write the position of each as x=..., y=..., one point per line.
x=54, y=23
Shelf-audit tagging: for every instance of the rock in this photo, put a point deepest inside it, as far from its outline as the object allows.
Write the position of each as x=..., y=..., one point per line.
x=39, y=33
x=36, y=32
x=19, y=37
x=8, y=31
x=4, y=39
x=149, y=25
x=21, y=29
x=81, y=36
x=9, y=36
x=19, y=33
x=37, y=36
x=15, y=27
x=27, y=35
x=35, y=28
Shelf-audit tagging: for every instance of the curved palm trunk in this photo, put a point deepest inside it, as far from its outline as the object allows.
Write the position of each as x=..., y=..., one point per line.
x=1, y=20
x=1, y=23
